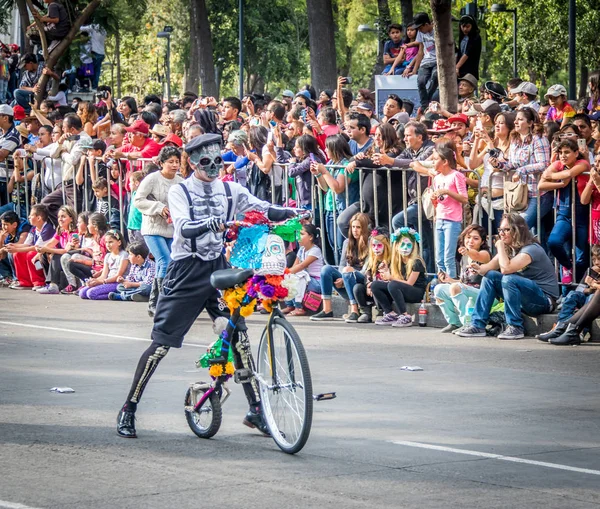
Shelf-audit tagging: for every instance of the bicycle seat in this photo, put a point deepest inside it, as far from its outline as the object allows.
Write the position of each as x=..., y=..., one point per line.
x=228, y=278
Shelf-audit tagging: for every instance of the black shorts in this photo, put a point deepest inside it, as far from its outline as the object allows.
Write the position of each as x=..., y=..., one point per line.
x=186, y=293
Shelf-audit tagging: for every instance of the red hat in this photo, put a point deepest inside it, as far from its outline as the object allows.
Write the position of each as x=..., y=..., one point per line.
x=172, y=138
x=18, y=112
x=460, y=117
x=14, y=47
x=441, y=126
x=139, y=126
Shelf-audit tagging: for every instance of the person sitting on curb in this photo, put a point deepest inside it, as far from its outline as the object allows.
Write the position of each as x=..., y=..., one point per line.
x=577, y=299
x=521, y=274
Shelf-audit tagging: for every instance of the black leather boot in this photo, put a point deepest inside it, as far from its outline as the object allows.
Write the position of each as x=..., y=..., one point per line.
x=558, y=331
x=254, y=419
x=126, y=424
x=570, y=337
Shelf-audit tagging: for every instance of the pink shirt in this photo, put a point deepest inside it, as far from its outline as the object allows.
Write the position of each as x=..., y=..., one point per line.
x=63, y=238
x=449, y=208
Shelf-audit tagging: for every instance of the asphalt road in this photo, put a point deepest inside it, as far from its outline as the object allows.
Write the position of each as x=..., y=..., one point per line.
x=392, y=438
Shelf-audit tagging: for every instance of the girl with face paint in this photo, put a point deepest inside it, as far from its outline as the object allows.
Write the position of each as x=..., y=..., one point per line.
x=378, y=264
x=450, y=194
x=453, y=294
x=404, y=282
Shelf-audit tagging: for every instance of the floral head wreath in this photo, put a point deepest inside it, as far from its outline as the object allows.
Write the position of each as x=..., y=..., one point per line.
x=406, y=232
x=379, y=230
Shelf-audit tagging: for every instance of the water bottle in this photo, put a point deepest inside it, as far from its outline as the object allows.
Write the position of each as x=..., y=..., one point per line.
x=423, y=314
x=432, y=286
x=470, y=309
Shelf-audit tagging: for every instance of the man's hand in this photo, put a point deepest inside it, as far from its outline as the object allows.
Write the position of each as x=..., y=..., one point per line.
x=383, y=160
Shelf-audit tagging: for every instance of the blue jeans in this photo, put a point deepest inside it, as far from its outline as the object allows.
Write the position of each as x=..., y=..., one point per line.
x=572, y=302
x=519, y=294
x=560, y=239
x=97, y=60
x=23, y=98
x=412, y=219
x=447, y=235
x=329, y=274
x=351, y=279
x=530, y=213
x=160, y=247
x=427, y=81
x=398, y=70
x=333, y=232
x=127, y=293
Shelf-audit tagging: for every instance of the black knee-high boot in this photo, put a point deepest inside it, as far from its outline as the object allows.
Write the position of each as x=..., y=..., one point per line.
x=157, y=286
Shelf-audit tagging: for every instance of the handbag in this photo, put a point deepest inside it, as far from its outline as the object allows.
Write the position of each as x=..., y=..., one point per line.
x=515, y=196
x=312, y=301
x=427, y=202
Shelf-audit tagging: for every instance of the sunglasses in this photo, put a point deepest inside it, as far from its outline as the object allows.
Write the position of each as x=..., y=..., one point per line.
x=502, y=231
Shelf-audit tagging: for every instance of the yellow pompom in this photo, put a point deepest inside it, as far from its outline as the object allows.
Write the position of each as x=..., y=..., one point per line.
x=216, y=370
x=267, y=304
x=229, y=368
x=247, y=310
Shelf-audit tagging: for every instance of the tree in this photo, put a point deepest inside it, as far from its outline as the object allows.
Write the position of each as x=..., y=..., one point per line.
x=202, y=49
x=52, y=58
x=322, y=44
x=446, y=60
x=406, y=7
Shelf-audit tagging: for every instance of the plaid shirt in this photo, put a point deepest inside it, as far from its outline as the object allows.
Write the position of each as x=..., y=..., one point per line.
x=142, y=273
x=529, y=159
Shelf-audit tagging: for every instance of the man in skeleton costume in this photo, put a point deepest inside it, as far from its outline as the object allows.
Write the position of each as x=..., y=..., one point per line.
x=199, y=207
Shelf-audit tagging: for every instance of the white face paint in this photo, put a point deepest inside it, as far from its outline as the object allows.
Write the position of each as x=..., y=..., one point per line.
x=377, y=247
x=406, y=246
x=273, y=260
x=207, y=159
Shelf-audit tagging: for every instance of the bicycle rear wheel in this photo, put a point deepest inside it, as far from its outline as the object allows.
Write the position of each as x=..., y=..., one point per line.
x=287, y=401
x=207, y=420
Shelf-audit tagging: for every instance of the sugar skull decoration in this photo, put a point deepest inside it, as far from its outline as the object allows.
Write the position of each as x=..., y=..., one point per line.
x=250, y=246
x=407, y=238
x=273, y=258
x=205, y=154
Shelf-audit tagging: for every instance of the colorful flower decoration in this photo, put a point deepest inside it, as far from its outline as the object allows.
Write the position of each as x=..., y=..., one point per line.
x=406, y=231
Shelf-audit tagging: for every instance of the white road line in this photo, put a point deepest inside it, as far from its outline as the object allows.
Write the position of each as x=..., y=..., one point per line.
x=497, y=457
x=88, y=333
x=12, y=505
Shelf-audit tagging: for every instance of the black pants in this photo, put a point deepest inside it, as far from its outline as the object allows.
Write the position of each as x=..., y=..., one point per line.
x=55, y=200
x=588, y=313
x=79, y=270
x=360, y=294
x=397, y=291
x=53, y=270
x=186, y=293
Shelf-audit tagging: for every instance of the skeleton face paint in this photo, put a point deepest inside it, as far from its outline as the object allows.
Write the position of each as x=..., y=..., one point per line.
x=377, y=247
x=207, y=159
x=406, y=246
x=273, y=260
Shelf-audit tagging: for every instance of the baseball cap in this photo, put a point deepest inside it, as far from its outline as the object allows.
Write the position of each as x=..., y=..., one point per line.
x=556, y=91
x=172, y=138
x=469, y=78
x=5, y=109
x=28, y=58
x=422, y=18
x=526, y=87
x=365, y=106
x=460, y=117
x=305, y=93
x=139, y=126
x=19, y=112
x=594, y=116
x=491, y=108
x=288, y=93
x=86, y=143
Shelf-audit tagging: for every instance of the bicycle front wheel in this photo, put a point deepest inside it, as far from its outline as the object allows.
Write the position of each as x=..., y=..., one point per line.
x=285, y=386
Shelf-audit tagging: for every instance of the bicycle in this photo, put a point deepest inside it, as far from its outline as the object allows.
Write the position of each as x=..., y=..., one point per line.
x=282, y=371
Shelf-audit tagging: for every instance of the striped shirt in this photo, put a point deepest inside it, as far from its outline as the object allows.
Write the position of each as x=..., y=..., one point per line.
x=529, y=159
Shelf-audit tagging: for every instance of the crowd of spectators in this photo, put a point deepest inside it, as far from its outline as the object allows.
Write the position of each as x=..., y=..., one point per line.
x=84, y=186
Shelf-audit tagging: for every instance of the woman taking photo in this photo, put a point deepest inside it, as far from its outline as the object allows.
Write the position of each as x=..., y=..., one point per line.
x=492, y=180
x=528, y=157
x=151, y=200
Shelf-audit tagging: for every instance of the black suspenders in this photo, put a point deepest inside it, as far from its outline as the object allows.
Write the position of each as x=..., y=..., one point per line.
x=191, y=209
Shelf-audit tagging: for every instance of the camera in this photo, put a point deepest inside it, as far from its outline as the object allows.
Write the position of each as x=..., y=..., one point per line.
x=495, y=153
x=103, y=94
x=348, y=79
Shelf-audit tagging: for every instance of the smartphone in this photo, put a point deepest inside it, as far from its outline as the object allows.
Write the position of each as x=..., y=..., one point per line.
x=76, y=237
x=593, y=274
x=272, y=123
x=312, y=157
x=581, y=145
x=478, y=125
x=348, y=79
x=270, y=137
x=38, y=265
x=434, y=106
x=303, y=115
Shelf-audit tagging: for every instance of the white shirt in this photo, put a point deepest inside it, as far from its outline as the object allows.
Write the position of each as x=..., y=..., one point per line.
x=52, y=167
x=428, y=40
x=97, y=37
